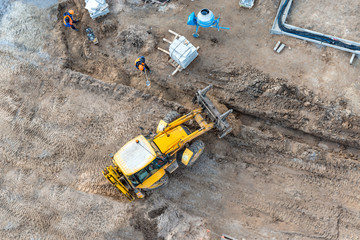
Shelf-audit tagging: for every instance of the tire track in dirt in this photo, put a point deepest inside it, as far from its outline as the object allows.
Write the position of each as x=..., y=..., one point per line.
x=35, y=132
x=23, y=214
x=23, y=123
x=342, y=180
x=318, y=221
x=334, y=187
x=52, y=137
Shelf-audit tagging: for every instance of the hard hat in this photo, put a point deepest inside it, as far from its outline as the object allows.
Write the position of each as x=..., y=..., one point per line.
x=141, y=67
x=71, y=12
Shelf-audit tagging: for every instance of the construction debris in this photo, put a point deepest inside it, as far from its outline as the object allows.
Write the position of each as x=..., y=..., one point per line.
x=161, y=2
x=91, y=36
x=279, y=47
x=282, y=46
x=181, y=51
x=246, y=3
x=97, y=8
x=227, y=237
x=352, y=58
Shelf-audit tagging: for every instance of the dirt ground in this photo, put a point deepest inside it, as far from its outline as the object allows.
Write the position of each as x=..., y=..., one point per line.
x=289, y=169
x=339, y=19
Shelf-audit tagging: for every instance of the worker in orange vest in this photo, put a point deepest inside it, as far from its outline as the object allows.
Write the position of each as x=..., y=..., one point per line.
x=68, y=20
x=141, y=65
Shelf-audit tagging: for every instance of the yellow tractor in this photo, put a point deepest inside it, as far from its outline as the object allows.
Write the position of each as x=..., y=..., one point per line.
x=144, y=162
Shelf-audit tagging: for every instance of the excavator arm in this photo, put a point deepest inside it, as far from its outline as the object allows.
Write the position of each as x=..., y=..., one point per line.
x=207, y=107
x=204, y=127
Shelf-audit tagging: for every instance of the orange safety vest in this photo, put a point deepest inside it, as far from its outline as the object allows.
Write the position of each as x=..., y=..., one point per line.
x=138, y=62
x=70, y=20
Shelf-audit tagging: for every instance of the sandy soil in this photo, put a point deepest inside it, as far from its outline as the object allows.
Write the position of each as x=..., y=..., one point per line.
x=289, y=170
x=335, y=18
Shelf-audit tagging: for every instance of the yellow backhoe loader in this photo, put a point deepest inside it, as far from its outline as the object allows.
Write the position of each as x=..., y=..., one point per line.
x=144, y=162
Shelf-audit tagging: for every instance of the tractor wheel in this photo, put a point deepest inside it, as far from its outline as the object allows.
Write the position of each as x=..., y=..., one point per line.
x=197, y=147
x=171, y=116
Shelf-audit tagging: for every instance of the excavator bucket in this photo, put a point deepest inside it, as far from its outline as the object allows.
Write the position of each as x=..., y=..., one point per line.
x=115, y=178
x=212, y=112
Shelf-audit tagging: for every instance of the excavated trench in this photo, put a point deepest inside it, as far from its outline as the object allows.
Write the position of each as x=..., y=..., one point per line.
x=246, y=90
x=257, y=96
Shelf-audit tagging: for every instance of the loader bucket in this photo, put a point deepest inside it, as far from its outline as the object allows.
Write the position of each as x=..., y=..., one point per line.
x=212, y=112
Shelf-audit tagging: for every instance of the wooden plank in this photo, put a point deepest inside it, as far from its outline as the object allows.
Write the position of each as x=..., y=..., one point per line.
x=167, y=40
x=176, y=70
x=163, y=50
x=176, y=34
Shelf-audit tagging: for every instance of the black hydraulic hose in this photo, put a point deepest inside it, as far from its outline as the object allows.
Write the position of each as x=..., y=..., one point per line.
x=312, y=35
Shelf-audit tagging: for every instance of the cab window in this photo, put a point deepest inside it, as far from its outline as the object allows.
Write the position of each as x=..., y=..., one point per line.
x=145, y=173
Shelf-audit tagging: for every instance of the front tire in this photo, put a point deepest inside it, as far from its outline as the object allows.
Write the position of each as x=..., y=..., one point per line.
x=197, y=147
x=171, y=116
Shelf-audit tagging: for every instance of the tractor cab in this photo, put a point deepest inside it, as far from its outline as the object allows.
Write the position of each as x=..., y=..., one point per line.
x=140, y=163
x=143, y=161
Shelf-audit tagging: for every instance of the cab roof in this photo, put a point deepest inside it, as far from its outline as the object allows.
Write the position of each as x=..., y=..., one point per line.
x=134, y=155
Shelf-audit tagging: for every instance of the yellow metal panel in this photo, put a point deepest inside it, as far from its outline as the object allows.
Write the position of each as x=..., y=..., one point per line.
x=148, y=183
x=134, y=155
x=167, y=140
x=186, y=156
x=162, y=125
x=114, y=177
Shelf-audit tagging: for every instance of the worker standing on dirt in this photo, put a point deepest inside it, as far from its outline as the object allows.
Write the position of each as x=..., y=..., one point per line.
x=68, y=20
x=141, y=65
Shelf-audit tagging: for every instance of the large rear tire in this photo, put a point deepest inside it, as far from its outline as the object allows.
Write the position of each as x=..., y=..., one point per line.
x=171, y=116
x=197, y=147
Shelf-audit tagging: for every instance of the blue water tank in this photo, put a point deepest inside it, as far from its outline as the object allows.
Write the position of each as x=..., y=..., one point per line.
x=205, y=18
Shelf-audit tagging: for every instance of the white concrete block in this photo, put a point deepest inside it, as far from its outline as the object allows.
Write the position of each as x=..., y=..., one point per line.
x=282, y=46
